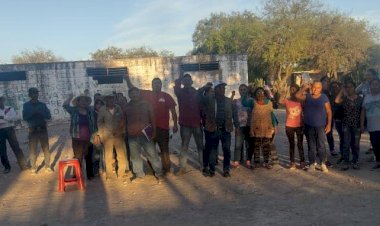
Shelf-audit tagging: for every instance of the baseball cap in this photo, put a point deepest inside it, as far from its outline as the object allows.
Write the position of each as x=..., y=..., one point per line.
x=218, y=83
x=33, y=90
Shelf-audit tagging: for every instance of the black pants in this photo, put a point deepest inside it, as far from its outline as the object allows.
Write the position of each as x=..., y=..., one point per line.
x=290, y=131
x=10, y=135
x=211, y=150
x=375, y=141
x=81, y=150
x=162, y=139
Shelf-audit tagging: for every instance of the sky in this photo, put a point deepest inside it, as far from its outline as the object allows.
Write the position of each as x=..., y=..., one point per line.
x=73, y=29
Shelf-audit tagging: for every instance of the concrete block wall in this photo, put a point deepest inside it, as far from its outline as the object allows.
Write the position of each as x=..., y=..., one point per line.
x=57, y=80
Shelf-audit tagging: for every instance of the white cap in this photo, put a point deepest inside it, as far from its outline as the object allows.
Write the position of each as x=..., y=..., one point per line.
x=217, y=83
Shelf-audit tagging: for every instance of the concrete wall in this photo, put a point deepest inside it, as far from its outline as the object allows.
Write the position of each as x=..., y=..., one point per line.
x=56, y=80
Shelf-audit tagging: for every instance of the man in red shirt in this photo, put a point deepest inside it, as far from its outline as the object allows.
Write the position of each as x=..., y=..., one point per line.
x=161, y=103
x=189, y=119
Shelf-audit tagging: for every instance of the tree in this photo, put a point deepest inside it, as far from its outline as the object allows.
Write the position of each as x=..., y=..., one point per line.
x=109, y=53
x=289, y=26
x=229, y=34
x=339, y=43
x=36, y=56
x=113, y=53
x=374, y=56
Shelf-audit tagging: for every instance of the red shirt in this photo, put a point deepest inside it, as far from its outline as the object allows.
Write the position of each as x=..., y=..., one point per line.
x=161, y=104
x=293, y=113
x=189, y=110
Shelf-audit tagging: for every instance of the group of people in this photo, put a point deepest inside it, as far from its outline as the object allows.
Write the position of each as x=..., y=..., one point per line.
x=349, y=108
x=112, y=135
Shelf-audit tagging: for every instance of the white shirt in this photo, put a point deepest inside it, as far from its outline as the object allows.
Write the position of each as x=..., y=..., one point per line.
x=9, y=115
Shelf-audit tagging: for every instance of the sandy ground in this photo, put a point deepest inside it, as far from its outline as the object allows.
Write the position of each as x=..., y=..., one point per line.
x=250, y=197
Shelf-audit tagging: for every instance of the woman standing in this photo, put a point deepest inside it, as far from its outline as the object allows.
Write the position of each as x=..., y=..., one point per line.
x=262, y=127
x=371, y=112
x=82, y=126
x=244, y=107
x=352, y=107
x=317, y=121
x=294, y=125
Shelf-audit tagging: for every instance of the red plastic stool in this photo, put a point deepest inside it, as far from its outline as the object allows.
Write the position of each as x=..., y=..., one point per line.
x=78, y=173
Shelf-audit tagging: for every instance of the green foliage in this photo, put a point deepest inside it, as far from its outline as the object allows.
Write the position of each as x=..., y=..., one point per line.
x=113, y=53
x=291, y=34
x=35, y=56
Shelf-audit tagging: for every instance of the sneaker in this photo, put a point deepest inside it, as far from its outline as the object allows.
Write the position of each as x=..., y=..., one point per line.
x=369, y=151
x=226, y=174
x=356, y=166
x=235, y=164
x=48, y=170
x=160, y=179
x=333, y=153
x=181, y=171
x=248, y=164
x=312, y=167
x=7, y=170
x=292, y=166
x=269, y=166
x=344, y=167
x=377, y=166
x=324, y=168
x=212, y=173
x=340, y=160
x=33, y=171
x=206, y=172
x=138, y=180
x=303, y=166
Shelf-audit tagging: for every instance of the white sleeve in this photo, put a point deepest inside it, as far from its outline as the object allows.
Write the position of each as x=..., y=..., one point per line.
x=10, y=115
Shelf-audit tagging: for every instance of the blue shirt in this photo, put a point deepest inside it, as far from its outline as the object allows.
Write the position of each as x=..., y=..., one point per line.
x=35, y=114
x=315, y=114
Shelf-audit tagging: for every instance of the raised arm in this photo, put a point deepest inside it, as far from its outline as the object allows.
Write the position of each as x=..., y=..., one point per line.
x=177, y=85
x=128, y=80
x=300, y=95
x=66, y=104
x=339, y=97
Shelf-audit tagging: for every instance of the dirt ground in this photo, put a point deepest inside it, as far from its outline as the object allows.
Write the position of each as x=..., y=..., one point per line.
x=250, y=197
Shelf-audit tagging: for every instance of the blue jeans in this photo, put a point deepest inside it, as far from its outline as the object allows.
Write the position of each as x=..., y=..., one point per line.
x=374, y=136
x=212, y=152
x=351, y=136
x=186, y=133
x=141, y=145
x=316, y=138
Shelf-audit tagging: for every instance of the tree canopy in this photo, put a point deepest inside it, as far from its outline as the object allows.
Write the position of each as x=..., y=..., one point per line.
x=36, y=56
x=112, y=53
x=288, y=35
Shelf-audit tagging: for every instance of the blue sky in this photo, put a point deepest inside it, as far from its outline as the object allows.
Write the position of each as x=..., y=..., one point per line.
x=74, y=28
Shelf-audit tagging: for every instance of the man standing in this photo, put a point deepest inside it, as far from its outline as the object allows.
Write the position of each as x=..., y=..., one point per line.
x=189, y=119
x=111, y=129
x=161, y=103
x=35, y=113
x=141, y=132
x=7, y=132
x=220, y=120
